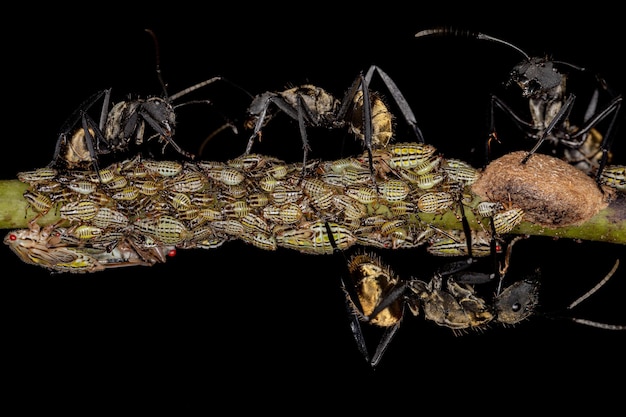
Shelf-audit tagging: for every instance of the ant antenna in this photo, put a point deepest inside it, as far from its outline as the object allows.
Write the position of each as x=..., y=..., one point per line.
x=586, y=295
x=158, y=61
x=595, y=288
x=227, y=125
x=447, y=31
x=576, y=67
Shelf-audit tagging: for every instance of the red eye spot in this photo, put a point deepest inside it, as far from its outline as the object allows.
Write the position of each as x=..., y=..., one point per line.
x=171, y=253
x=12, y=237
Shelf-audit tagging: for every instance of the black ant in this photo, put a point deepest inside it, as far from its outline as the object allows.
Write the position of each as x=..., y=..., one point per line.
x=376, y=296
x=363, y=112
x=123, y=126
x=544, y=85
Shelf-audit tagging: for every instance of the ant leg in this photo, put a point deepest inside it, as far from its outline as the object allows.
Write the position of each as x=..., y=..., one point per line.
x=466, y=227
x=355, y=308
x=305, y=143
x=392, y=296
x=366, y=121
x=518, y=121
x=260, y=122
x=353, y=304
x=402, y=103
x=614, y=108
x=521, y=124
x=367, y=125
x=560, y=117
x=104, y=112
x=344, y=261
x=460, y=266
x=385, y=340
x=61, y=140
x=260, y=107
x=74, y=118
x=156, y=118
x=88, y=126
x=493, y=244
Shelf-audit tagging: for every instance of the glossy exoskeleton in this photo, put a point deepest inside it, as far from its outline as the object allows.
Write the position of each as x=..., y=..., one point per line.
x=127, y=124
x=542, y=81
x=361, y=111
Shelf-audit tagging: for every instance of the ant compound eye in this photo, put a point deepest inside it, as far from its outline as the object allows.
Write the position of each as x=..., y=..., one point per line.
x=533, y=87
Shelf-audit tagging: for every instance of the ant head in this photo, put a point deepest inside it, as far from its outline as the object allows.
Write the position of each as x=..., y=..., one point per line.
x=161, y=111
x=518, y=301
x=535, y=76
x=259, y=109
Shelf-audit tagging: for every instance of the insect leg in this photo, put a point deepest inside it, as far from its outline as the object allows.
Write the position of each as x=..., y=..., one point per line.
x=74, y=118
x=366, y=122
x=352, y=298
x=560, y=117
x=367, y=125
x=305, y=143
x=152, y=116
x=521, y=124
x=607, y=141
x=89, y=125
x=282, y=104
x=399, y=98
x=385, y=340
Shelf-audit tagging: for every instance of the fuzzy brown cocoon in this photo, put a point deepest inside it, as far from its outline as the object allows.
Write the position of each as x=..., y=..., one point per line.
x=552, y=192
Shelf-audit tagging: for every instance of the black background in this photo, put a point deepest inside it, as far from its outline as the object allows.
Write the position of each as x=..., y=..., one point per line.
x=240, y=320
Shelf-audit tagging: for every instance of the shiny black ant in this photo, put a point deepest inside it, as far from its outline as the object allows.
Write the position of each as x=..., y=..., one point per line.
x=363, y=112
x=544, y=85
x=124, y=125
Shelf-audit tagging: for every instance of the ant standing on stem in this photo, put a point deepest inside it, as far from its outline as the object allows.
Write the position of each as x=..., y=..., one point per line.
x=123, y=126
x=364, y=113
x=550, y=105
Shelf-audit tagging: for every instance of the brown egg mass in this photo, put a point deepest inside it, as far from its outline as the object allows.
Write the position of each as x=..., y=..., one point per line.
x=552, y=192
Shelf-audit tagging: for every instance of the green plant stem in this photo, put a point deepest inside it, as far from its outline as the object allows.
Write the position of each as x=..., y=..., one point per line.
x=608, y=225
x=14, y=209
